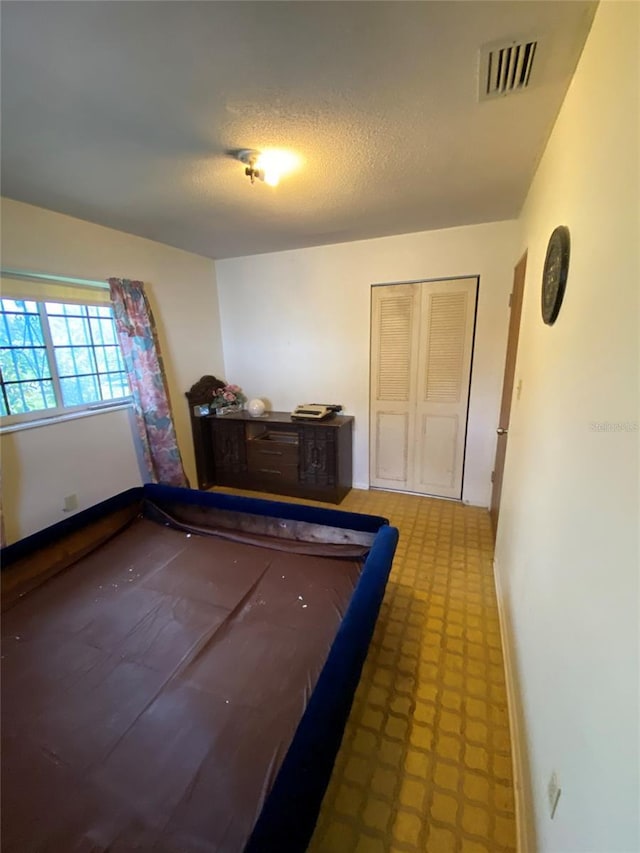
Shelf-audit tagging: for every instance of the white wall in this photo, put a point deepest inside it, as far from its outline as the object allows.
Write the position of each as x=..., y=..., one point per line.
x=94, y=457
x=296, y=326
x=567, y=545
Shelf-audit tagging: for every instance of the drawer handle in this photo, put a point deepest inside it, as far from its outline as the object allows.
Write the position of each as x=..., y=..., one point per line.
x=270, y=471
x=270, y=452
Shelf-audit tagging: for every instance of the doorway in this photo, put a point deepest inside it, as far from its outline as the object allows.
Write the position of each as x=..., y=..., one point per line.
x=507, y=387
x=421, y=354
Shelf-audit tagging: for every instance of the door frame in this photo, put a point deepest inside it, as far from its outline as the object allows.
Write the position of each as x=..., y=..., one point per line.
x=516, y=300
x=474, y=329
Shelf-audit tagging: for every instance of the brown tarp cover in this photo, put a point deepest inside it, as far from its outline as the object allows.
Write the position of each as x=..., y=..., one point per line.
x=151, y=691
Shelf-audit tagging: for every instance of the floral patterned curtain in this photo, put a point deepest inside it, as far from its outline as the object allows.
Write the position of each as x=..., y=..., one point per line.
x=3, y=537
x=141, y=353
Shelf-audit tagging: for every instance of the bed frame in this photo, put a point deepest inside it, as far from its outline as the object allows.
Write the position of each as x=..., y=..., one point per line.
x=287, y=819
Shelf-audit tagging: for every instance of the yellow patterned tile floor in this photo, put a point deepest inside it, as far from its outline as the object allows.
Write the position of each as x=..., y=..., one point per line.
x=425, y=762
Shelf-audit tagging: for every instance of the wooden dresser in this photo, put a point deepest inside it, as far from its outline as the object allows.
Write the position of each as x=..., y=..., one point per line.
x=274, y=453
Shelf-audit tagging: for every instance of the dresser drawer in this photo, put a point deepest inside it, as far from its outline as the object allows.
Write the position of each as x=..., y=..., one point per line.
x=272, y=473
x=272, y=455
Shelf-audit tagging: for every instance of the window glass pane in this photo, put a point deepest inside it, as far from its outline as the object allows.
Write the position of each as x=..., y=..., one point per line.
x=109, y=333
x=21, y=363
x=72, y=361
x=59, y=331
x=114, y=385
x=79, y=331
x=71, y=393
x=108, y=359
x=65, y=362
x=99, y=311
x=101, y=359
x=3, y=406
x=21, y=330
x=89, y=389
x=17, y=403
x=103, y=331
x=49, y=393
x=16, y=325
x=19, y=305
x=114, y=358
x=26, y=397
x=33, y=334
x=96, y=331
x=79, y=390
x=5, y=336
x=64, y=309
x=7, y=366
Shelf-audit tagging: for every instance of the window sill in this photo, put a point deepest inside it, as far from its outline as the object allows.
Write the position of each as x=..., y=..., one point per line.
x=66, y=416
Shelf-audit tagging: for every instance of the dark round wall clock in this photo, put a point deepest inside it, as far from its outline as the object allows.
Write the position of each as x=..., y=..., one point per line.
x=554, y=276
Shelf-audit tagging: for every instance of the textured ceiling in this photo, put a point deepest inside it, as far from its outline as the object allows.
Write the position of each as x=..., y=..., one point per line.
x=121, y=113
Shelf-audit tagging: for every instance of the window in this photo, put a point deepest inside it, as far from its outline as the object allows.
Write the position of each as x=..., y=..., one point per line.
x=56, y=357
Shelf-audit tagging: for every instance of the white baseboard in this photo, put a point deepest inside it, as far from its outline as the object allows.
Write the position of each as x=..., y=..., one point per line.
x=520, y=783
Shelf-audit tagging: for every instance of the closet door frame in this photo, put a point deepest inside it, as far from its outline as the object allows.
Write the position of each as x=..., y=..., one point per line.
x=414, y=449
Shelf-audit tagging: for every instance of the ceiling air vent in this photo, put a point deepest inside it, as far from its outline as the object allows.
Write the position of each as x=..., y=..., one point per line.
x=505, y=68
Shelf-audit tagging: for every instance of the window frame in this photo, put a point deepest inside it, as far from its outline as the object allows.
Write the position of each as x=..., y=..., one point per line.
x=65, y=292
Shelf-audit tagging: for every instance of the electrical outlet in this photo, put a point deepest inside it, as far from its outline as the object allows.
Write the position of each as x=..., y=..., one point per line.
x=70, y=503
x=553, y=794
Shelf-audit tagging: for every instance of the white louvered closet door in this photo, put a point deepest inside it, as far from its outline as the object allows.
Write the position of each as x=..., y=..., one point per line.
x=418, y=445
x=395, y=320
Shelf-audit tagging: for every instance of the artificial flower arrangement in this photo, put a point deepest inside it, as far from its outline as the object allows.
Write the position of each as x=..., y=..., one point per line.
x=227, y=398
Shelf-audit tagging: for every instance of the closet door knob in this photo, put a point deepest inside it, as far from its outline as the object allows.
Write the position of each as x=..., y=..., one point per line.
x=502, y=431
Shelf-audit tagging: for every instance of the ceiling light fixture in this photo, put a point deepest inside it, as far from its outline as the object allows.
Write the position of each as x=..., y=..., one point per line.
x=268, y=166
